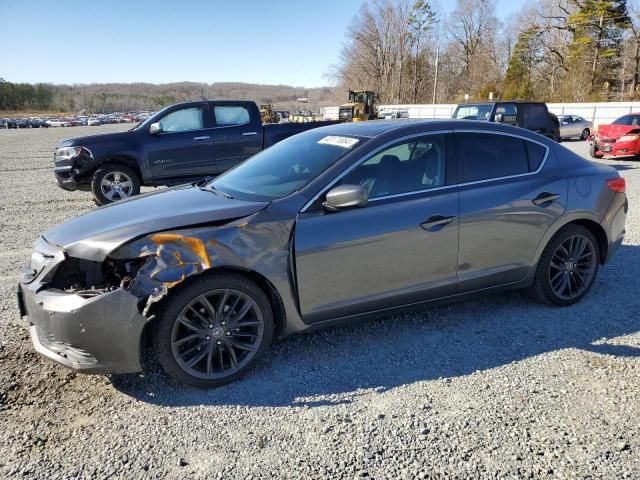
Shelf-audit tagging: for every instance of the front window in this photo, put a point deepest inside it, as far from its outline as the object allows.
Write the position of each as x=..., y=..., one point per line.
x=182, y=120
x=285, y=167
x=633, y=120
x=411, y=166
x=473, y=112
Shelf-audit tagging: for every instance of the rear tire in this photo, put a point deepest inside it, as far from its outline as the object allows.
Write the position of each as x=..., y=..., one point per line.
x=113, y=182
x=567, y=268
x=228, y=328
x=585, y=134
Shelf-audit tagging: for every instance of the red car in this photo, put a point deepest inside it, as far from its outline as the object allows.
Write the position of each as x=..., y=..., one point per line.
x=620, y=139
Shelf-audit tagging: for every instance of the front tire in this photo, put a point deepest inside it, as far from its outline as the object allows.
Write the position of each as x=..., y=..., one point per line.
x=567, y=268
x=593, y=151
x=214, y=330
x=113, y=182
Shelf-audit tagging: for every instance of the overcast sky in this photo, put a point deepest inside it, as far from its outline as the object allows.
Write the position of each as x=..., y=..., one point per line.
x=269, y=41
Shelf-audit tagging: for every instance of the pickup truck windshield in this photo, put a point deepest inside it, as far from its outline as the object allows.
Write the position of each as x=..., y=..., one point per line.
x=473, y=112
x=285, y=167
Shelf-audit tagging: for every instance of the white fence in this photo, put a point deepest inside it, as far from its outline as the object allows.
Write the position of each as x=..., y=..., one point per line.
x=604, y=112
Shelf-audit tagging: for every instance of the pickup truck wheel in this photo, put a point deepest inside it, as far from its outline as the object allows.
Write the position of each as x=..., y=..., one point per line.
x=213, y=331
x=113, y=182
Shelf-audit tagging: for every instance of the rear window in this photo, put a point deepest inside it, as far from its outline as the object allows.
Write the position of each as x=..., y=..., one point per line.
x=487, y=156
x=230, y=115
x=535, y=155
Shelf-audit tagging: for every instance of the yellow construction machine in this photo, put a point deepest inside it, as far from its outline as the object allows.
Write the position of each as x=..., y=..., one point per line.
x=361, y=107
x=268, y=114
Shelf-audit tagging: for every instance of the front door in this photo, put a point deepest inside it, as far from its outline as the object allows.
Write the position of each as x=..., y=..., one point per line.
x=509, y=198
x=400, y=248
x=184, y=146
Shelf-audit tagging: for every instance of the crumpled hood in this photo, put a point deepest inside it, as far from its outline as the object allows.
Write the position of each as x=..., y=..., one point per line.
x=615, y=131
x=94, y=235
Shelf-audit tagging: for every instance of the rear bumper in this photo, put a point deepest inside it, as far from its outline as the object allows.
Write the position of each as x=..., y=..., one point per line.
x=100, y=334
x=614, y=222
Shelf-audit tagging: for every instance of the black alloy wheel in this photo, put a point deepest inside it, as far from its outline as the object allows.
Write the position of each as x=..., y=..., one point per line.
x=214, y=330
x=567, y=267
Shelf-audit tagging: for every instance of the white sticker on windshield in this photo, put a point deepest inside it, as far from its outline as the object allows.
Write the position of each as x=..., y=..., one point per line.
x=344, y=142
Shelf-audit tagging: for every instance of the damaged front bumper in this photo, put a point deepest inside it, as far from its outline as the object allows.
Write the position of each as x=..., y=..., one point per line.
x=87, y=333
x=71, y=171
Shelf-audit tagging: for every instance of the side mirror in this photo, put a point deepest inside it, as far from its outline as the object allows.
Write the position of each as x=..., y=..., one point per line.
x=346, y=196
x=155, y=128
x=499, y=118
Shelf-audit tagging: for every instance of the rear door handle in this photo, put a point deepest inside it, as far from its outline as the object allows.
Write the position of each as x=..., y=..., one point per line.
x=246, y=134
x=436, y=222
x=198, y=139
x=545, y=197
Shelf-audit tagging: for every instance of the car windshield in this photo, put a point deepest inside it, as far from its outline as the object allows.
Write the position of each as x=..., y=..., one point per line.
x=285, y=167
x=628, y=120
x=473, y=112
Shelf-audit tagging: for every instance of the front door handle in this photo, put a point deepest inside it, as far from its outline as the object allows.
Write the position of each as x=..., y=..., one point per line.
x=544, y=198
x=436, y=222
x=199, y=139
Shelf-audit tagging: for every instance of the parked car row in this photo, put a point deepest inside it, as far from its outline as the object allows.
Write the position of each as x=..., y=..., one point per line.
x=74, y=121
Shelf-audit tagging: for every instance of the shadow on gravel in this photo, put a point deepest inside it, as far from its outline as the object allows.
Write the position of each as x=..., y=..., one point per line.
x=335, y=366
x=623, y=167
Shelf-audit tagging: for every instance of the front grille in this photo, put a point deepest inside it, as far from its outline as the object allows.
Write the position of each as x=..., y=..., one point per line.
x=608, y=140
x=346, y=113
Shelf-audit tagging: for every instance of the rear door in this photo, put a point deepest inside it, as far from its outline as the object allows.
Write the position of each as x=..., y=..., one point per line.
x=400, y=248
x=238, y=134
x=509, y=197
x=184, y=147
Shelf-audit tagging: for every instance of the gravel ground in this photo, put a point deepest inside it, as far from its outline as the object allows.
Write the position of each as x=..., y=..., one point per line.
x=498, y=387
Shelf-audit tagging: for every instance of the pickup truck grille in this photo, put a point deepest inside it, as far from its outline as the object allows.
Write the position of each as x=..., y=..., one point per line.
x=345, y=114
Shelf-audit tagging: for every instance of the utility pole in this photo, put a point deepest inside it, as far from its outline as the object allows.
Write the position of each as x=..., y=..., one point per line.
x=435, y=80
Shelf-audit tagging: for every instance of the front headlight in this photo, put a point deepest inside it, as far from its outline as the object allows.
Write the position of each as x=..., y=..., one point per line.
x=628, y=138
x=65, y=153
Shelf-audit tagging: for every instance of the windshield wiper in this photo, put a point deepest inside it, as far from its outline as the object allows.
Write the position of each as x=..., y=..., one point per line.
x=210, y=188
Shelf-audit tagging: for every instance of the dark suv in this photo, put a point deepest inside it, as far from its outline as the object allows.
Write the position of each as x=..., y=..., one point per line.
x=533, y=116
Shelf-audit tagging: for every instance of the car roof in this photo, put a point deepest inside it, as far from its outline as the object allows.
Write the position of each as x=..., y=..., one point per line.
x=375, y=128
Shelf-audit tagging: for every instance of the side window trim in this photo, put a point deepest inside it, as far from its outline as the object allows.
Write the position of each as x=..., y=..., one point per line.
x=379, y=149
x=493, y=179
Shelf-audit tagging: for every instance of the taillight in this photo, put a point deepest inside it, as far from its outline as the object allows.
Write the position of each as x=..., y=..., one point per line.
x=628, y=138
x=617, y=184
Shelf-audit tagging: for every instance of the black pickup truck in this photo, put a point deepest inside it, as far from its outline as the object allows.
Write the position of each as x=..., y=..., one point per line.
x=181, y=143
x=534, y=116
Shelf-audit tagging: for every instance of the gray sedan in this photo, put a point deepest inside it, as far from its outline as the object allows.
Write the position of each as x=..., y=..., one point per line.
x=328, y=225
x=575, y=126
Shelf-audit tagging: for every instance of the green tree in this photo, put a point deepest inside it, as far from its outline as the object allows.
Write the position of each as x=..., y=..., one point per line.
x=518, y=80
x=594, y=53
